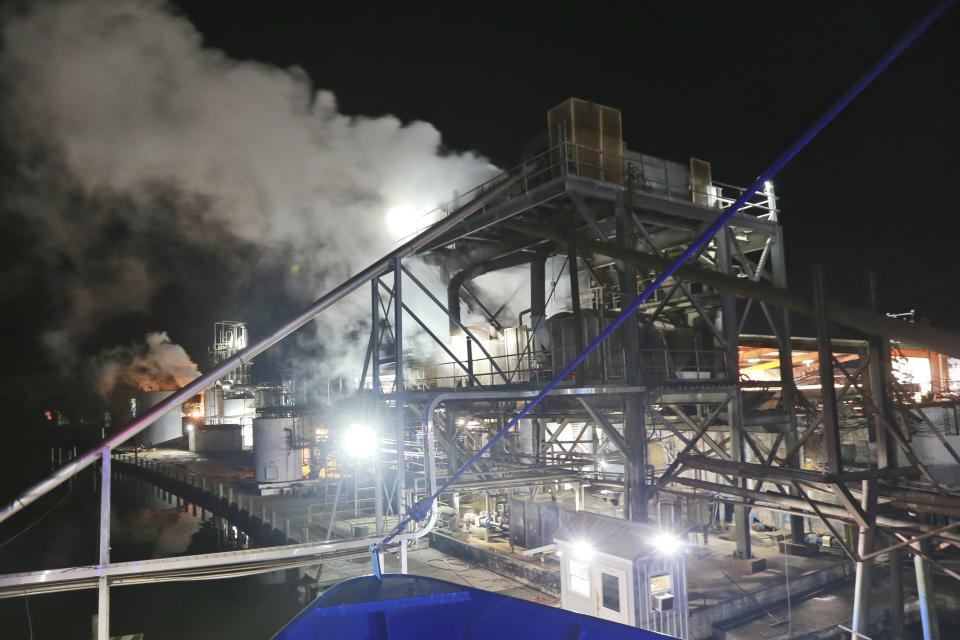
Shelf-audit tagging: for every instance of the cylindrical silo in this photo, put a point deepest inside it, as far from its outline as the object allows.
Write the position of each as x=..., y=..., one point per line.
x=167, y=427
x=275, y=457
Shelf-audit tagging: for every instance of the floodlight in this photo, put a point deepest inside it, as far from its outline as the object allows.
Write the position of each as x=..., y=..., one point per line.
x=582, y=549
x=667, y=543
x=359, y=441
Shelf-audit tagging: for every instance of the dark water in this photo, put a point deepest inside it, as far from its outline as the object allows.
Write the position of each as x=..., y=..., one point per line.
x=143, y=526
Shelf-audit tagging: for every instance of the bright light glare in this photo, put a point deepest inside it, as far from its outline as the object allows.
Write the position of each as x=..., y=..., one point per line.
x=582, y=550
x=402, y=220
x=667, y=543
x=359, y=441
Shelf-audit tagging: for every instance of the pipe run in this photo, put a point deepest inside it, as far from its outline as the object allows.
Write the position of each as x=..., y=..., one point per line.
x=378, y=268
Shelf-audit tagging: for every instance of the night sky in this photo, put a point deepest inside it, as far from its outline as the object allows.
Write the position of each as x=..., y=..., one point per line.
x=732, y=83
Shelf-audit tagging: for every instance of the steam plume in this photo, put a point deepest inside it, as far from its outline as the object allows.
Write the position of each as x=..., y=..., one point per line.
x=121, y=119
x=156, y=365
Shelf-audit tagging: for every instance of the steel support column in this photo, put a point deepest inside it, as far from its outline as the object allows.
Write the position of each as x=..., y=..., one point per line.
x=538, y=303
x=375, y=361
x=728, y=302
x=579, y=339
x=831, y=429
x=634, y=409
x=398, y=394
x=879, y=362
x=788, y=389
x=864, y=576
x=928, y=608
x=635, y=489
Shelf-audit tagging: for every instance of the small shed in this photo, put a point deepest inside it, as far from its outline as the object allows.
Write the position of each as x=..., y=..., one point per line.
x=623, y=571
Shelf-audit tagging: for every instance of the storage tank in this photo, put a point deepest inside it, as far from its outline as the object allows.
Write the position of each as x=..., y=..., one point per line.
x=275, y=457
x=168, y=426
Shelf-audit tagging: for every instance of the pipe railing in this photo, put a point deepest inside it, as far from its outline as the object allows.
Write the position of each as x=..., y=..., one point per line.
x=378, y=268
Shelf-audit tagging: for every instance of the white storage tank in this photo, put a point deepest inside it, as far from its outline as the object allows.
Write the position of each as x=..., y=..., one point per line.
x=168, y=426
x=275, y=457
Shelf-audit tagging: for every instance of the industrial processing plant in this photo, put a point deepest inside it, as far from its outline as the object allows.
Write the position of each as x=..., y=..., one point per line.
x=589, y=385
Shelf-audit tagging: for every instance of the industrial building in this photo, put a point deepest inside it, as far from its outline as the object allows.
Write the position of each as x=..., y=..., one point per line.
x=667, y=481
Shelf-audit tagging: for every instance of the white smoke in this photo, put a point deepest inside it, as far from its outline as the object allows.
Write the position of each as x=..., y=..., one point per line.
x=156, y=365
x=124, y=102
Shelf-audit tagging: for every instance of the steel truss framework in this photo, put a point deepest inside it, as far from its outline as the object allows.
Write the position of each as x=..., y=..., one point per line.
x=749, y=438
x=676, y=375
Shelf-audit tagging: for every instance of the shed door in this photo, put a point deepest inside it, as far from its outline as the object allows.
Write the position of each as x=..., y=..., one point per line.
x=611, y=593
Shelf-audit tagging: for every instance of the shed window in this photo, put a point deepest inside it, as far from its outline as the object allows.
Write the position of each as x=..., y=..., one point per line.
x=611, y=591
x=579, y=577
x=660, y=583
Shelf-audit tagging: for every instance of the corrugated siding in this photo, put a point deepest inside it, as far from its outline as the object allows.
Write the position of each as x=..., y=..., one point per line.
x=673, y=622
x=931, y=451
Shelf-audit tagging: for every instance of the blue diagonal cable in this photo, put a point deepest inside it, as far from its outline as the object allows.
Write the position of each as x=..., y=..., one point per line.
x=421, y=510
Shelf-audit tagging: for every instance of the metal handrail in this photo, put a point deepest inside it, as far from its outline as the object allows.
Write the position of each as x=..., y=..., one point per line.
x=568, y=158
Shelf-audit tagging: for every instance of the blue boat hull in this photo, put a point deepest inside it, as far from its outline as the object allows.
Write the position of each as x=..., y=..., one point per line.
x=406, y=606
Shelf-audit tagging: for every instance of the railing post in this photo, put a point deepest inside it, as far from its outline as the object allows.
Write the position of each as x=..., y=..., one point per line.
x=103, y=587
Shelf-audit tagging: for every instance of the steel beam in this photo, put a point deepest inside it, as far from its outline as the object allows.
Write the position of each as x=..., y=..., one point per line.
x=459, y=324
x=635, y=498
x=608, y=429
x=832, y=511
x=831, y=424
x=788, y=389
x=588, y=217
x=376, y=269
x=945, y=342
x=701, y=432
x=728, y=310
x=763, y=472
x=634, y=406
x=826, y=521
x=436, y=339
x=893, y=430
